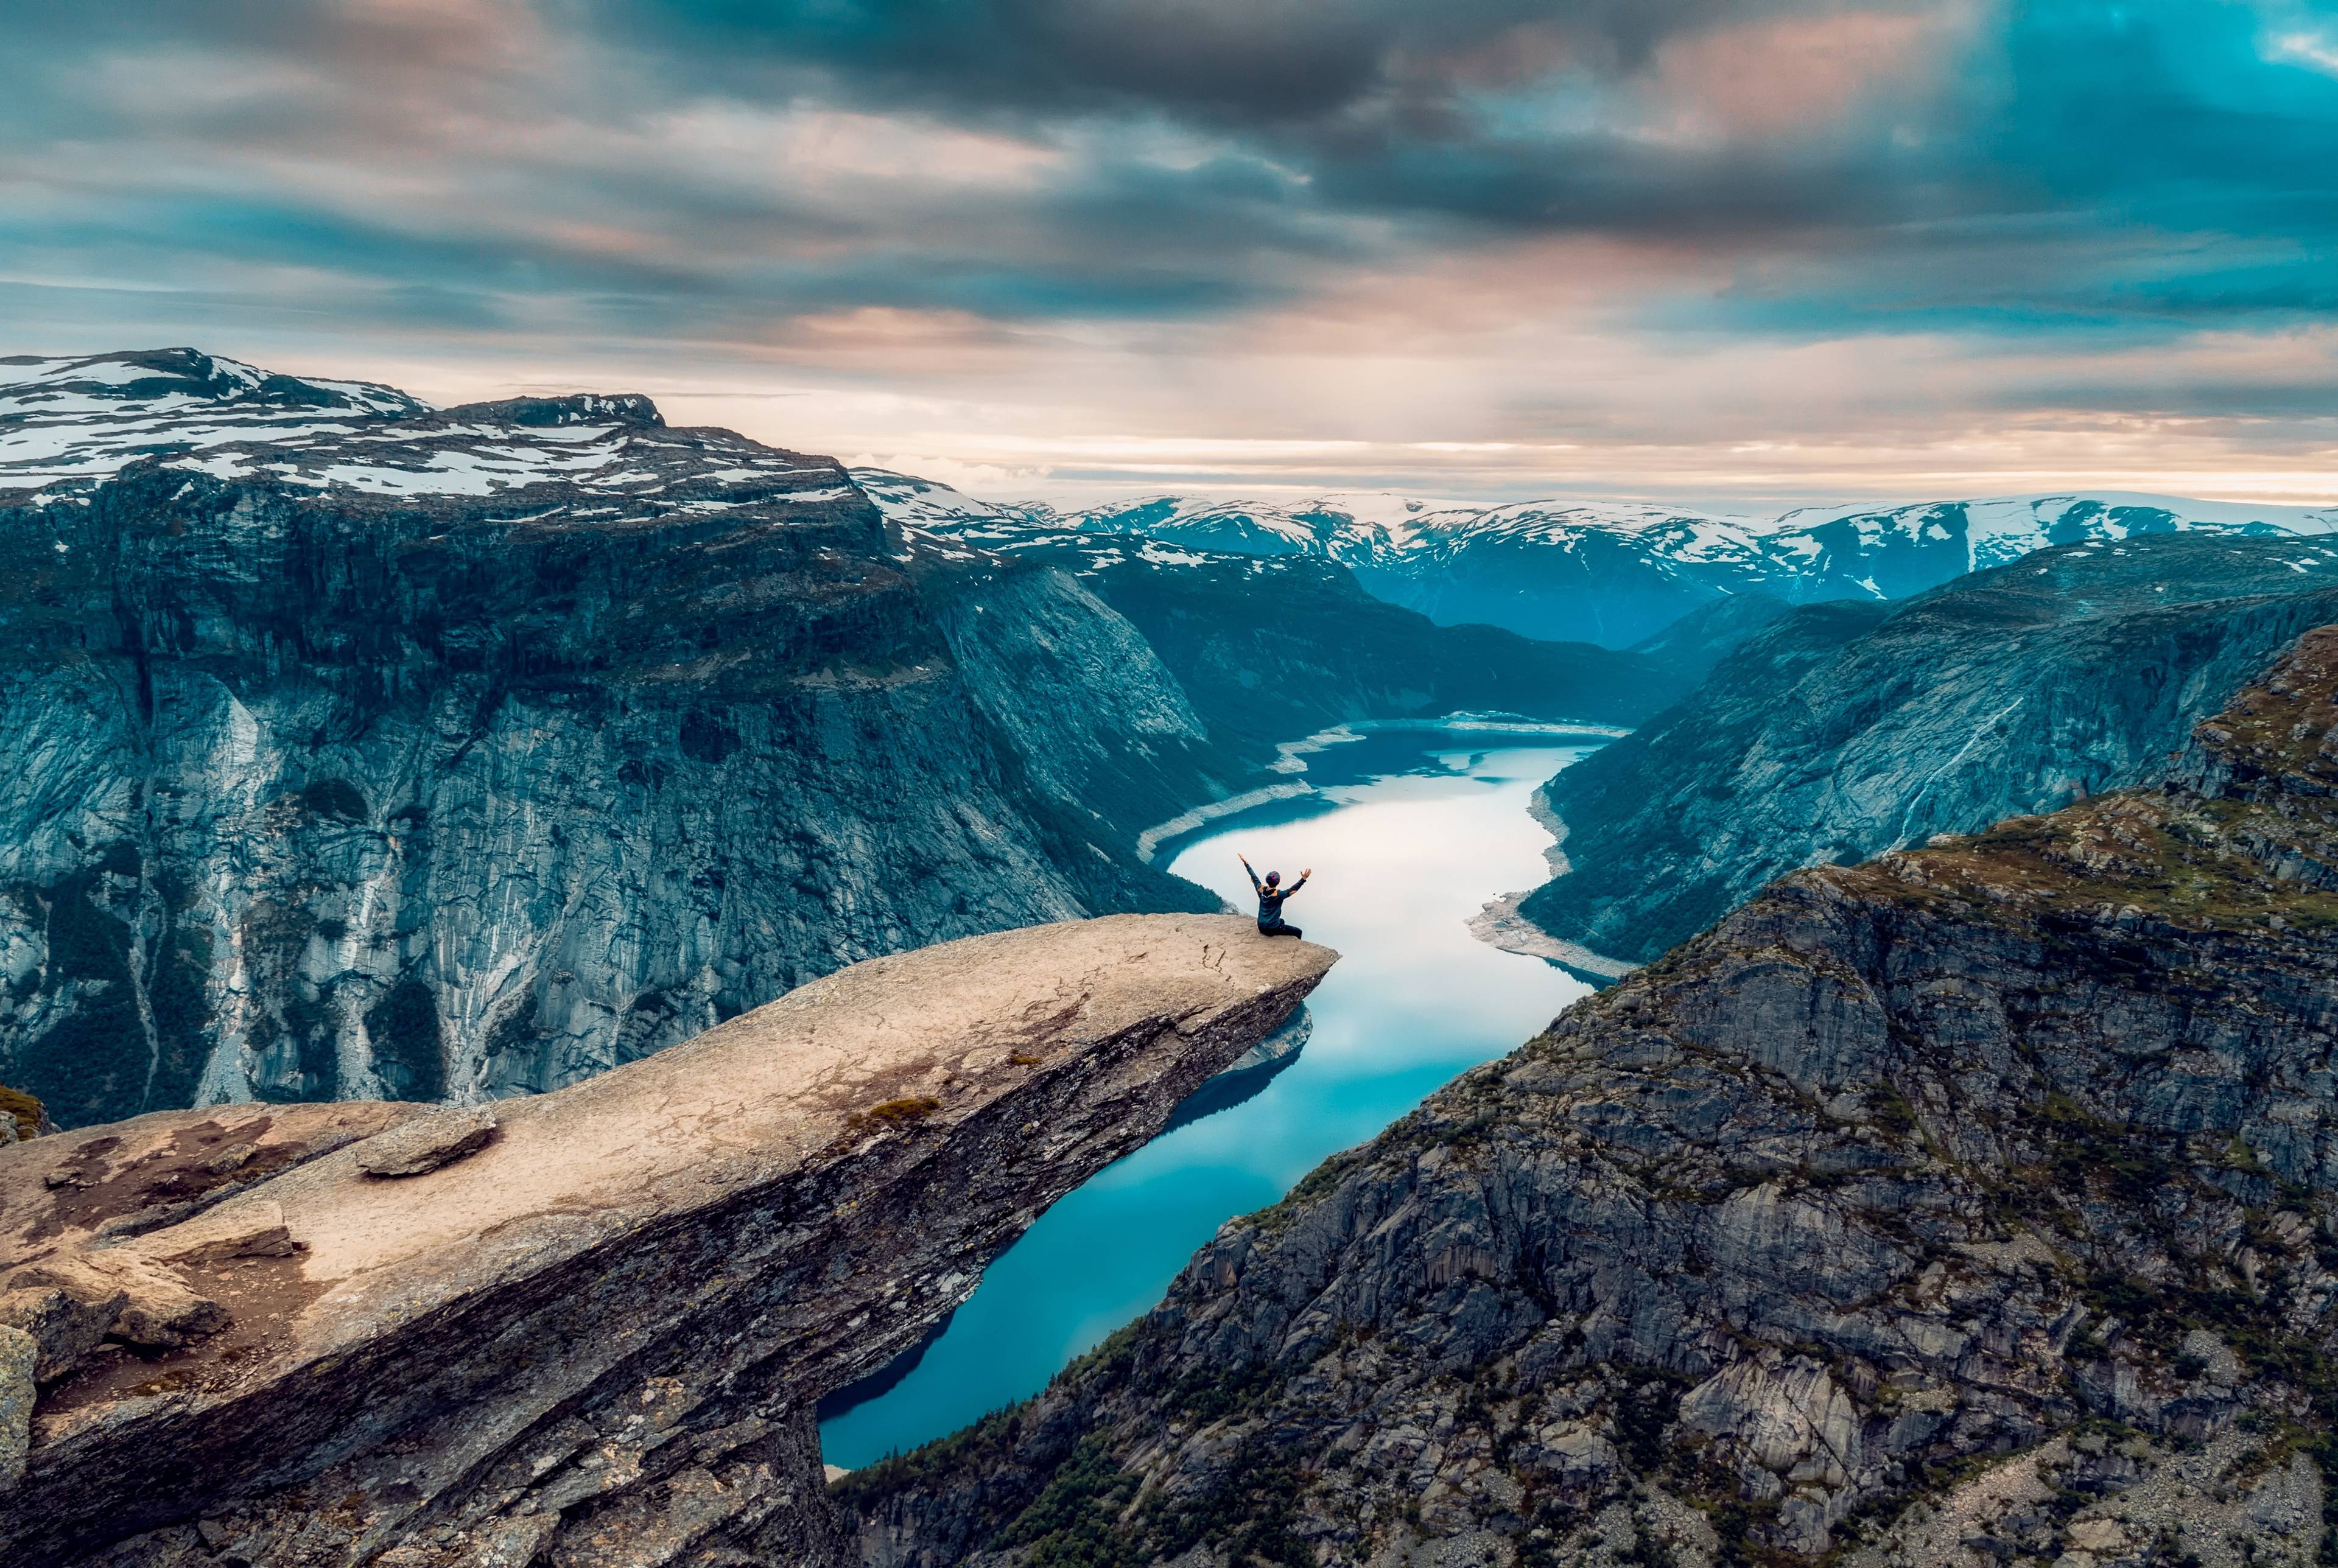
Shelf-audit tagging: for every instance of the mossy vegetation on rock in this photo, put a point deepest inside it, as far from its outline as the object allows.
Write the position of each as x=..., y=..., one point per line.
x=23, y=1114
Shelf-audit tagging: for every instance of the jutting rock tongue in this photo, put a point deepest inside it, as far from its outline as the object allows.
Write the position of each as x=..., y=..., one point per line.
x=593, y=1327
x=1974, y=1203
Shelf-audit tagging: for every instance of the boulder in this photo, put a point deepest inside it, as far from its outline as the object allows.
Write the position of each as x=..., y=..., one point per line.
x=427, y=1142
x=249, y=1230
x=161, y=1312
x=65, y=1310
x=72, y=1301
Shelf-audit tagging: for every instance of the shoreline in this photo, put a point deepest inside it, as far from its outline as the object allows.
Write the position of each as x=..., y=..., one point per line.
x=1291, y=759
x=1499, y=924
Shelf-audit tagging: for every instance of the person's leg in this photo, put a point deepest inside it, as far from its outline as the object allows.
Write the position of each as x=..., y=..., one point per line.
x=1279, y=930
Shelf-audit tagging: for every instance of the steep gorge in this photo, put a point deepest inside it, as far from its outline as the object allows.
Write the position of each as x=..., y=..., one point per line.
x=1976, y=1203
x=326, y=793
x=368, y=749
x=1270, y=646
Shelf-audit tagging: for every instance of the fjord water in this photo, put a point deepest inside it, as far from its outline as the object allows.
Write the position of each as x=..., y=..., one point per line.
x=1413, y=832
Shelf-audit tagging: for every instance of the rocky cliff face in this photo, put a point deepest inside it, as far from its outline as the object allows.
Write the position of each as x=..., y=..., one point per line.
x=1978, y=1203
x=361, y=750
x=1845, y=729
x=586, y=1328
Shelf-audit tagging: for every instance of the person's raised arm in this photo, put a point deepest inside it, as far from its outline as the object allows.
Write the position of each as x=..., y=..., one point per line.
x=1295, y=887
x=1246, y=866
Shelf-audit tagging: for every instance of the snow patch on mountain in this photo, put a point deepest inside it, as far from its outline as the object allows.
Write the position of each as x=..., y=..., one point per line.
x=1605, y=571
x=70, y=422
x=914, y=502
x=66, y=425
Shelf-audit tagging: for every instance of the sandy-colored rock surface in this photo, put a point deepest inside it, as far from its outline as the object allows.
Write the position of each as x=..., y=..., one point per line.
x=612, y=1321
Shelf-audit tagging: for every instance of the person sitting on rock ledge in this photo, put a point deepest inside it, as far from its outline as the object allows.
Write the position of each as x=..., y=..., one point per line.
x=1271, y=895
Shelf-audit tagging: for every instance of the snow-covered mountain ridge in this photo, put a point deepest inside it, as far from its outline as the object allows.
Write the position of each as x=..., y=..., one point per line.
x=1611, y=572
x=66, y=422
x=1605, y=572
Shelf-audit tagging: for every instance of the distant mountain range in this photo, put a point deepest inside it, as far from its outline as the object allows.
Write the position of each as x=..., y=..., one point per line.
x=1610, y=572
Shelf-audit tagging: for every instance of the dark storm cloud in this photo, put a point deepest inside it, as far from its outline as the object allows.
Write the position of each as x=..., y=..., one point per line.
x=1253, y=62
x=2161, y=112
x=1385, y=106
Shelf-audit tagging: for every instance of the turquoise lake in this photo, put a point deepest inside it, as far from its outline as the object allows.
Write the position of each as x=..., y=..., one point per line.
x=1412, y=833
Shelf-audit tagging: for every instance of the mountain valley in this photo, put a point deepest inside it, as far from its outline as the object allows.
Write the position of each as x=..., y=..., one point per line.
x=368, y=749
x=1278, y=646
x=1169, y=784
x=760, y=854
x=1971, y=1204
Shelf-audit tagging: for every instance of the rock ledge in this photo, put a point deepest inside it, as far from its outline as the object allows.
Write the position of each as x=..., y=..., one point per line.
x=599, y=1336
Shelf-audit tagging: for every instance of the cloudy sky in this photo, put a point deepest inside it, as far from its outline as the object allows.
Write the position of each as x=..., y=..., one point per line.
x=1743, y=250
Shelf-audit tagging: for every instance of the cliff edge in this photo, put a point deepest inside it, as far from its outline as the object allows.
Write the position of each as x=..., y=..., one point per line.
x=464, y=754
x=590, y=1327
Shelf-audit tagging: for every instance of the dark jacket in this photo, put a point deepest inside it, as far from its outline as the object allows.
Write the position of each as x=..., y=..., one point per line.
x=1270, y=900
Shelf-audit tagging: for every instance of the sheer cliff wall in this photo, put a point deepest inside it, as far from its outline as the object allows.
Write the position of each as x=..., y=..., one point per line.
x=322, y=793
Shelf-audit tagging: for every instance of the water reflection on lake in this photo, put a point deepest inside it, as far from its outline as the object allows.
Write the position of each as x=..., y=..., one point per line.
x=1413, y=833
